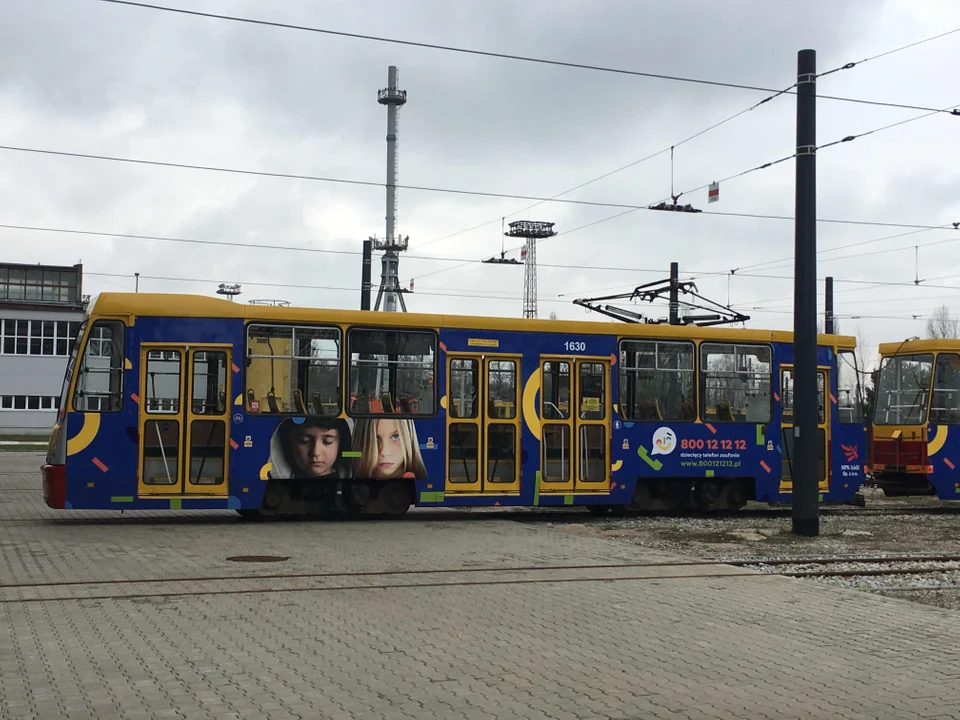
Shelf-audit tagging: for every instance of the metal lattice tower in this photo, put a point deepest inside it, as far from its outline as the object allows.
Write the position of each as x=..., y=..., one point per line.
x=392, y=244
x=532, y=231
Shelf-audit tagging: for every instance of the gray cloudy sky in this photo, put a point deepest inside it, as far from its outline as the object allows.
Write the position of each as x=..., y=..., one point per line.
x=90, y=77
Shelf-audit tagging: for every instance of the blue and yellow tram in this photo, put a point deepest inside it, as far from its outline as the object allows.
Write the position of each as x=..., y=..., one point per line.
x=915, y=436
x=174, y=401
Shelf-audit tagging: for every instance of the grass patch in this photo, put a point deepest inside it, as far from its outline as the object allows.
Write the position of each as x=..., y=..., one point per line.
x=24, y=437
x=23, y=448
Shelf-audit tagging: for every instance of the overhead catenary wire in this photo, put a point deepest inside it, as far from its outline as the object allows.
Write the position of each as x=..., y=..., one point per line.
x=743, y=173
x=456, y=191
x=491, y=54
x=677, y=144
x=629, y=165
x=901, y=248
x=484, y=296
x=857, y=63
x=516, y=57
x=781, y=262
x=300, y=248
x=844, y=303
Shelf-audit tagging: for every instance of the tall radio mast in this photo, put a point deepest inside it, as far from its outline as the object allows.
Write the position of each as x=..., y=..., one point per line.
x=392, y=244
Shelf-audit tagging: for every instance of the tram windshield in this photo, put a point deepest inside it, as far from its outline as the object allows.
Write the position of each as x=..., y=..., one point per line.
x=71, y=364
x=904, y=390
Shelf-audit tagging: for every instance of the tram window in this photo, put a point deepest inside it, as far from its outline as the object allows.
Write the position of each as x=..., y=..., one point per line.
x=555, y=395
x=849, y=389
x=464, y=452
x=463, y=391
x=903, y=390
x=163, y=381
x=657, y=381
x=501, y=453
x=293, y=370
x=209, y=383
x=592, y=395
x=787, y=393
x=161, y=452
x=392, y=371
x=100, y=381
x=556, y=453
x=945, y=402
x=502, y=389
x=735, y=383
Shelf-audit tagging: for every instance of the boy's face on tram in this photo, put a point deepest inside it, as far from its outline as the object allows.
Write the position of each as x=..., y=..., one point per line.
x=316, y=449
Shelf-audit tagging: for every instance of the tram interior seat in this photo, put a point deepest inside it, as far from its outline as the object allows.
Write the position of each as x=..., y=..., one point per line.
x=650, y=410
x=386, y=402
x=945, y=416
x=299, y=405
x=684, y=411
x=724, y=413
x=273, y=402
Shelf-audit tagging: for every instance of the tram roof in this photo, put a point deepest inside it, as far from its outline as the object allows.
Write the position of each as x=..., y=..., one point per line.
x=909, y=347
x=132, y=305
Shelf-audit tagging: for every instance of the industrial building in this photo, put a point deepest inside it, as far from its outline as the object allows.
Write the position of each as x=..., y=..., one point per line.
x=41, y=308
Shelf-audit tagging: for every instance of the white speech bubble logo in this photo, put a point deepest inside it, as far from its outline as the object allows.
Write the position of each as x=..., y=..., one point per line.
x=664, y=441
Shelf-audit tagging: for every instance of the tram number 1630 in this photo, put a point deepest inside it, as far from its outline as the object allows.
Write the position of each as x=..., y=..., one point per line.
x=575, y=346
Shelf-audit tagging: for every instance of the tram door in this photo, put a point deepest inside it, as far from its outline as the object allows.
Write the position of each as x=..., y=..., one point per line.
x=184, y=419
x=787, y=424
x=483, y=424
x=575, y=425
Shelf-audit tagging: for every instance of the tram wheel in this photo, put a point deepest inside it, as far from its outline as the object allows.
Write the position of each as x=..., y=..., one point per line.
x=598, y=509
x=250, y=514
x=395, y=498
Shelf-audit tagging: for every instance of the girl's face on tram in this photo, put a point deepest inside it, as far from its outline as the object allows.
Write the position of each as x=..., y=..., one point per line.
x=390, y=451
x=316, y=450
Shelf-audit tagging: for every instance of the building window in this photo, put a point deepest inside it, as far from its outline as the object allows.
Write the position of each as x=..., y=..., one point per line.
x=100, y=382
x=735, y=382
x=657, y=381
x=293, y=370
x=392, y=371
x=51, y=338
x=28, y=402
x=39, y=285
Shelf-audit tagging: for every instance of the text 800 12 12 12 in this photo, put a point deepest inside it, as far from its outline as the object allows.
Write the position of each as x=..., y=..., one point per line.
x=712, y=444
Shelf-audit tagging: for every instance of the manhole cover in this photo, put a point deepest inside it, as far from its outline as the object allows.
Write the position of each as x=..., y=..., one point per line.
x=257, y=558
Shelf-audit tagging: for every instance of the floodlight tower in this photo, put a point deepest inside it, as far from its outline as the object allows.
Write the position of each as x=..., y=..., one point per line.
x=231, y=290
x=532, y=231
x=392, y=244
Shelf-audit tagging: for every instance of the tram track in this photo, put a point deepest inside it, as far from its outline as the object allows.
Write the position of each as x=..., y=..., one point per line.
x=736, y=562
x=753, y=568
x=539, y=515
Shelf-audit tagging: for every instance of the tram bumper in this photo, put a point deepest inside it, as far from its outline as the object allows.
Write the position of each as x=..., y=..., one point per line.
x=55, y=486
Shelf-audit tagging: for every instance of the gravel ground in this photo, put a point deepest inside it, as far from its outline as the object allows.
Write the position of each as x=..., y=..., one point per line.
x=845, y=533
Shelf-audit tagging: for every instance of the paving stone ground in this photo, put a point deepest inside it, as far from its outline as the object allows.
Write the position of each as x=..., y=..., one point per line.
x=360, y=631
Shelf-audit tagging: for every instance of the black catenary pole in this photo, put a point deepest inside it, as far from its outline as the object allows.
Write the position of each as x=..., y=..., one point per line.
x=828, y=325
x=365, y=286
x=674, y=294
x=806, y=501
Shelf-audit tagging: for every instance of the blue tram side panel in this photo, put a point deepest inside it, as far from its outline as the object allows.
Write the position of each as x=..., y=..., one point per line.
x=943, y=459
x=102, y=465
